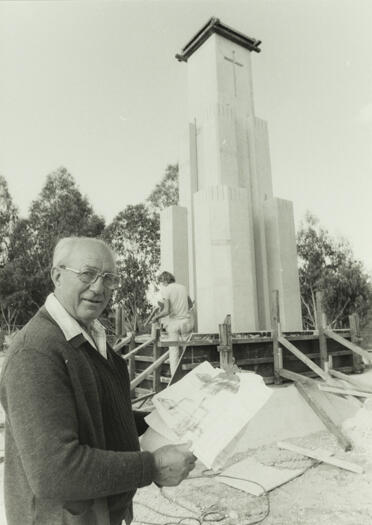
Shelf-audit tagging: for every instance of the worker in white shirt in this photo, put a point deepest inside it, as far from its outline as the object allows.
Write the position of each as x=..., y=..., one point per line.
x=176, y=307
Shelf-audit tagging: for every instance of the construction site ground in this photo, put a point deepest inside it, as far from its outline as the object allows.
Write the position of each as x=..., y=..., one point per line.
x=323, y=494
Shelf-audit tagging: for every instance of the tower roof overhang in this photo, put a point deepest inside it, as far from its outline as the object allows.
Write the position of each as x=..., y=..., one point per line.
x=214, y=25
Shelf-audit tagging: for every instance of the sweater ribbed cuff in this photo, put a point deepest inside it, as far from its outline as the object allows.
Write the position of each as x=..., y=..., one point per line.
x=148, y=468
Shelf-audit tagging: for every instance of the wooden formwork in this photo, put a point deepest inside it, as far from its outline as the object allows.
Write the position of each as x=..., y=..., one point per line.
x=274, y=354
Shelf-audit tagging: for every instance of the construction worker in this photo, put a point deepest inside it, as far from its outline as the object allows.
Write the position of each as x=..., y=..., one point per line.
x=176, y=314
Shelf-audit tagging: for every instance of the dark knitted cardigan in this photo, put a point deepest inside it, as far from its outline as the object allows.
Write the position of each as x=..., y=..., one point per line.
x=56, y=456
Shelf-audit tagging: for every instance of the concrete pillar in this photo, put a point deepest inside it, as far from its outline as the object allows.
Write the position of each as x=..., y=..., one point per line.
x=241, y=241
x=282, y=261
x=224, y=256
x=173, y=245
x=188, y=185
x=258, y=180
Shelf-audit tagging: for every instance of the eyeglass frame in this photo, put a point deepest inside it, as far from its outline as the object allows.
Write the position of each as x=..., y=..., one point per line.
x=99, y=274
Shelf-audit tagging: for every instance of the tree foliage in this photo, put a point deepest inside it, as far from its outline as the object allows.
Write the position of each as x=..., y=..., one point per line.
x=8, y=219
x=59, y=211
x=134, y=235
x=328, y=265
x=165, y=192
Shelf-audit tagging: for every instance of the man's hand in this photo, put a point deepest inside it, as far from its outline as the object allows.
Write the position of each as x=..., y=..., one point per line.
x=173, y=464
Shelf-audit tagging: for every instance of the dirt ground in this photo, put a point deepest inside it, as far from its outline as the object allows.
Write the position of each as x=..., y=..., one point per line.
x=324, y=494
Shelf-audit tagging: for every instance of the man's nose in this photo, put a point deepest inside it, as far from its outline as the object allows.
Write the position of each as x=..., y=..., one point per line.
x=97, y=285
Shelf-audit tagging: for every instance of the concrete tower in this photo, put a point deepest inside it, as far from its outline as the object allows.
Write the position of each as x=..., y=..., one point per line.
x=230, y=241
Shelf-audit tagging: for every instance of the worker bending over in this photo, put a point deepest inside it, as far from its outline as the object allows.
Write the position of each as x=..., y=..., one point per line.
x=176, y=308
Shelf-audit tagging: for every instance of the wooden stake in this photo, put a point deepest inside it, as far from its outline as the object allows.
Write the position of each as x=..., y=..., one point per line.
x=320, y=321
x=155, y=335
x=352, y=381
x=275, y=331
x=351, y=346
x=344, y=391
x=225, y=347
x=317, y=401
x=293, y=376
x=323, y=456
x=131, y=358
x=118, y=322
x=148, y=370
x=314, y=367
x=355, y=338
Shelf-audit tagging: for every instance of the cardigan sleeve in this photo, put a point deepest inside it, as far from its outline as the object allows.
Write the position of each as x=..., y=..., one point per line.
x=39, y=403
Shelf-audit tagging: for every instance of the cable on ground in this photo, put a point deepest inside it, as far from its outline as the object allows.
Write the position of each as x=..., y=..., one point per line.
x=211, y=514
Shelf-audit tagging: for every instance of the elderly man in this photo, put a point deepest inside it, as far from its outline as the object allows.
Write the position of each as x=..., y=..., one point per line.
x=176, y=307
x=72, y=454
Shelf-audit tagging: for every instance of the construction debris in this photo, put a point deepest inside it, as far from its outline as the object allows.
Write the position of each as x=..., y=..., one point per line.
x=323, y=456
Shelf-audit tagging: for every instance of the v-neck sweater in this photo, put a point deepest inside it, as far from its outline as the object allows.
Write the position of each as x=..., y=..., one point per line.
x=56, y=431
x=118, y=421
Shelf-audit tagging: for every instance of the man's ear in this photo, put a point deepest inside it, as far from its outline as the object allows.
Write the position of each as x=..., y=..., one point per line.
x=55, y=274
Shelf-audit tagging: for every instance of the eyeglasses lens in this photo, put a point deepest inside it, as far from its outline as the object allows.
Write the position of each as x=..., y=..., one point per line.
x=110, y=280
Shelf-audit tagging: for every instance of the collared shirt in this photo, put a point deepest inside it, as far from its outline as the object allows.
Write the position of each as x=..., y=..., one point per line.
x=71, y=328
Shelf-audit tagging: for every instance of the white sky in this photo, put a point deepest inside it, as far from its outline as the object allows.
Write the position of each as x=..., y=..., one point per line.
x=95, y=87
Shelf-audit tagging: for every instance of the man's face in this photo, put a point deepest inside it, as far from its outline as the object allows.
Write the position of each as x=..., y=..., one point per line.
x=85, y=302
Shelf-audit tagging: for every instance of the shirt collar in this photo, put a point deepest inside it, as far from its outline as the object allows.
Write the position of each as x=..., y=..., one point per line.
x=71, y=328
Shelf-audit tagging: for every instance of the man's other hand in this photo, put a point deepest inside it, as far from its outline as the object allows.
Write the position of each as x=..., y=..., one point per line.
x=173, y=463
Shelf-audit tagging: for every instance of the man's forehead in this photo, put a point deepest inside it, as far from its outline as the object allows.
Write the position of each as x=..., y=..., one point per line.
x=92, y=254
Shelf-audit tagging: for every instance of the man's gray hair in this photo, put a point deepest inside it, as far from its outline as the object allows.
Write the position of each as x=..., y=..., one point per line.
x=66, y=246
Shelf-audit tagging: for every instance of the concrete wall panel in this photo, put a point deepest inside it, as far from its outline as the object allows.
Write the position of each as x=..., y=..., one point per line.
x=174, y=245
x=282, y=261
x=224, y=259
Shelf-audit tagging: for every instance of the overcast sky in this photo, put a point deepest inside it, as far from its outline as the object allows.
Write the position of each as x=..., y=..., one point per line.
x=95, y=87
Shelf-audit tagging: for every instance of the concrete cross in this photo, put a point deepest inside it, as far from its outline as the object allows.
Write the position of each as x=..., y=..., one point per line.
x=234, y=63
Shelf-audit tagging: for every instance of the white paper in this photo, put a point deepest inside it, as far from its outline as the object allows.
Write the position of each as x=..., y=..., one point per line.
x=208, y=408
x=158, y=424
x=152, y=440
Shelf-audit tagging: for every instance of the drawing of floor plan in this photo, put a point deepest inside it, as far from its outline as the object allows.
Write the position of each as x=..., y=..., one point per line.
x=208, y=408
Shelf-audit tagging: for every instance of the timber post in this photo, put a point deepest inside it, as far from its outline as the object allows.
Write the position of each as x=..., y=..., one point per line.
x=118, y=322
x=355, y=338
x=132, y=362
x=225, y=347
x=321, y=325
x=155, y=335
x=123, y=323
x=132, y=359
x=275, y=332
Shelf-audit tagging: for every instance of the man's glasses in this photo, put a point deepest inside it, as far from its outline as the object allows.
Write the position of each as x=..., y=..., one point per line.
x=89, y=276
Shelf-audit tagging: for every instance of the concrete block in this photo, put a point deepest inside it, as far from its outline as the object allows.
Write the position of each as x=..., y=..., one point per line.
x=282, y=261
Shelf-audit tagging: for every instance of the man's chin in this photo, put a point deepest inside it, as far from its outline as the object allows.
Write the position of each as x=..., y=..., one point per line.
x=90, y=314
